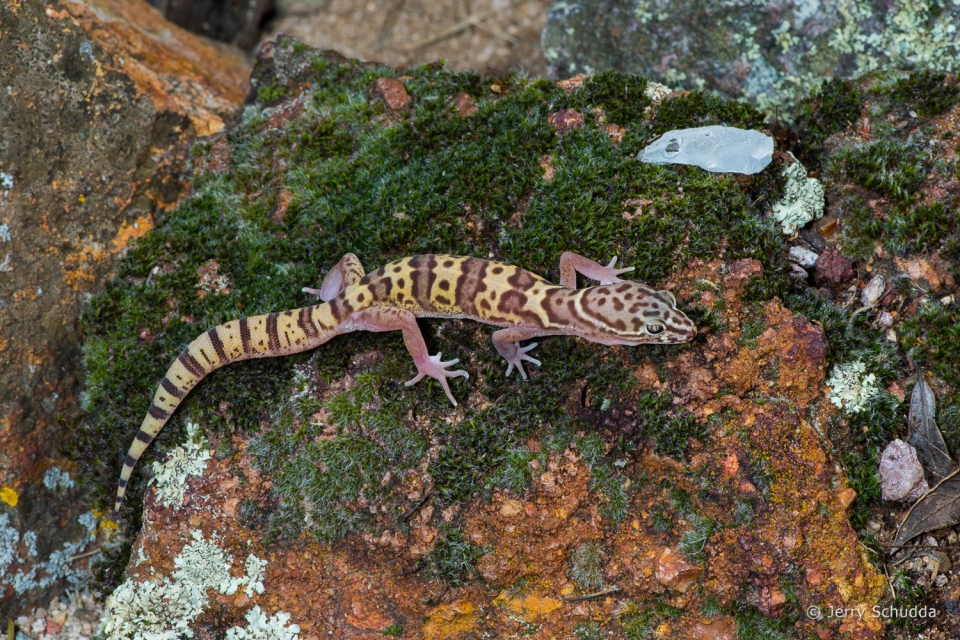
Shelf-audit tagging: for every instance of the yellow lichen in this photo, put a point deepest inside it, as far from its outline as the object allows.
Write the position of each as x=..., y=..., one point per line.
x=9, y=495
x=450, y=620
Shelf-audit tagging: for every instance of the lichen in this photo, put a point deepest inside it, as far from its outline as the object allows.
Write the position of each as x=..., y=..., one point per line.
x=165, y=608
x=56, y=478
x=262, y=627
x=802, y=199
x=851, y=386
x=189, y=459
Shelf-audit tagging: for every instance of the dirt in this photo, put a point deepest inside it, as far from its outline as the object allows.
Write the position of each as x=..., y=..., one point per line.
x=487, y=35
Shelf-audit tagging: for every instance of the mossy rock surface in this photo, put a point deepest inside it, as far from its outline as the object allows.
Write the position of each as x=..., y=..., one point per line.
x=320, y=166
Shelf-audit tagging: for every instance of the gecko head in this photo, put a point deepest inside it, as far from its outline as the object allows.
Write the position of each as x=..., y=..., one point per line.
x=630, y=313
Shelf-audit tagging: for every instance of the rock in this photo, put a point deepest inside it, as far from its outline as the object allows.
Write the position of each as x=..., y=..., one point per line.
x=871, y=293
x=885, y=320
x=803, y=257
x=465, y=104
x=724, y=628
x=846, y=497
x=675, y=571
x=99, y=101
x=565, y=120
x=392, y=92
x=833, y=268
x=768, y=53
x=901, y=475
x=714, y=148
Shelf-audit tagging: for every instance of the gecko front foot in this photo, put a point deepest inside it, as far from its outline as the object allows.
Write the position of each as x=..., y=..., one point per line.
x=437, y=370
x=516, y=359
x=608, y=275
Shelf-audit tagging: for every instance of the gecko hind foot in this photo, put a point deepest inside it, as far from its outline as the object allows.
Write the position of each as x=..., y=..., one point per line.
x=519, y=357
x=436, y=369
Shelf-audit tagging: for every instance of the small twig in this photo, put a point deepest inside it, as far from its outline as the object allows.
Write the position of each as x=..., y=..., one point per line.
x=463, y=24
x=389, y=22
x=590, y=596
x=409, y=512
x=918, y=546
x=85, y=555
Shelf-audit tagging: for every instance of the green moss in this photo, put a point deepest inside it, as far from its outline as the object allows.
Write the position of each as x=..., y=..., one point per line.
x=669, y=428
x=588, y=631
x=270, y=93
x=639, y=621
x=830, y=109
x=700, y=109
x=395, y=630
x=620, y=95
x=661, y=522
x=926, y=93
x=893, y=168
x=453, y=559
x=587, y=564
x=693, y=543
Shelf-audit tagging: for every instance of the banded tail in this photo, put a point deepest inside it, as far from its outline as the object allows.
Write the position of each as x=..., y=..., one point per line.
x=266, y=336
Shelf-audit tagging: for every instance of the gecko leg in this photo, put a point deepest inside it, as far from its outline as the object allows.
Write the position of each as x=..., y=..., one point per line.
x=379, y=319
x=345, y=273
x=507, y=342
x=572, y=263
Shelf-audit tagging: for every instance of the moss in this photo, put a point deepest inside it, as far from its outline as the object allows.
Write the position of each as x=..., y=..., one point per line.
x=639, y=621
x=270, y=93
x=453, y=559
x=669, y=428
x=693, y=543
x=621, y=96
x=927, y=93
x=661, y=522
x=588, y=631
x=830, y=109
x=587, y=564
x=891, y=167
x=394, y=630
x=700, y=109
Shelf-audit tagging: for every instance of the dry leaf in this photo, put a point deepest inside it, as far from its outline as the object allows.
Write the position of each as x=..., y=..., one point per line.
x=924, y=435
x=939, y=508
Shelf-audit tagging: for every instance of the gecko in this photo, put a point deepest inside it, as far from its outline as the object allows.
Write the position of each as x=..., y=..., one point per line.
x=615, y=312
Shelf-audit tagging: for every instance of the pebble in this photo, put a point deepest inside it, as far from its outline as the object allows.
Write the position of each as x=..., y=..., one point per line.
x=886, y=320
x=901, y=475
x=73, y=618
x=871, y=293
x=803, y=257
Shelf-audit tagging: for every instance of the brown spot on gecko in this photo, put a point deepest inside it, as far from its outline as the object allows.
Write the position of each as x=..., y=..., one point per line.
x=617, y=305
x=172, y=389
x=444, y=285
x=305, y=322
x=496, y=271
x=217, y=345
x=245, y=337
x=443, y=300
x=522, y=280
x=272, y=336
x=190, y=364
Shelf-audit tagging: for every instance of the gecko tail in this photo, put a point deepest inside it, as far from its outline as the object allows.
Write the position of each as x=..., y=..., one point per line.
x=265, y=336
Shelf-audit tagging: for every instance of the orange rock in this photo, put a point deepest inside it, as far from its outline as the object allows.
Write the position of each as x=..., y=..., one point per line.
x=724, y=628
x=392, y=92
x=675, y=571
x=846, y=497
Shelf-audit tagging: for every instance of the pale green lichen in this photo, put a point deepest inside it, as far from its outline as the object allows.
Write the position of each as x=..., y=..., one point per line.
x=851, y=386
x=262, y=627
x=163, y=609
x=802, y=199
x=189, y=459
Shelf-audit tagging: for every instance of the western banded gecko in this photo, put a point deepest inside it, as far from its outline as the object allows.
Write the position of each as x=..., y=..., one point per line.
x=395, y=295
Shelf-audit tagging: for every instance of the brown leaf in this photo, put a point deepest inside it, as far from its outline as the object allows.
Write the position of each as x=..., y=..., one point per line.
x=924, y=435
x=938, y=508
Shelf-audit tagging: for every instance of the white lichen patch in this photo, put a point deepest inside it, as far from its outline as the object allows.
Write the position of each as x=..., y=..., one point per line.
x=262, y=627
x=851, y=386
x=802, y=199
x=187, y=460
x=26, y=574
x=56, y=478
x=5, y=232
x=6, y=181
x=164, y=608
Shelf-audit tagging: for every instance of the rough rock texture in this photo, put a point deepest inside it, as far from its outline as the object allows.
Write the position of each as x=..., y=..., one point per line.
x=94, y=112
x=901, y=474
x=770, y=53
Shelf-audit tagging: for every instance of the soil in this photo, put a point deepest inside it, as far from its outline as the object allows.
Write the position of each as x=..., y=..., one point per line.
x=491, y=36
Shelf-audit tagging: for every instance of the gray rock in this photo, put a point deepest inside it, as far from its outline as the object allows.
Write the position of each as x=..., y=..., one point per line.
x=714, y=148
x=901, y=475
x=770, y=53
x=803, y=257
x=870, y=295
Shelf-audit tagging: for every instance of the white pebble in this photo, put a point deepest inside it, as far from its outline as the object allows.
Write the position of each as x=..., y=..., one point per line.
x=39, y=625
x=873, y=290
x=886, y=319
x=803, y=257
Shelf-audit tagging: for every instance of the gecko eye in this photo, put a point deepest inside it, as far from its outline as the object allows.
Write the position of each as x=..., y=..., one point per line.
x=655, y=329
